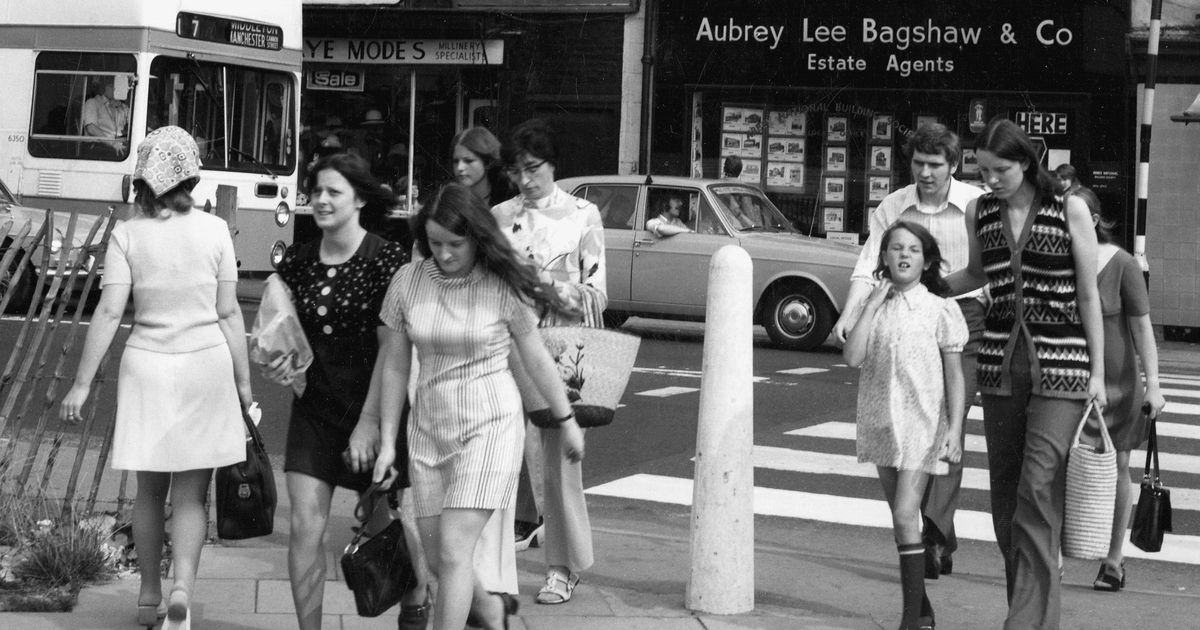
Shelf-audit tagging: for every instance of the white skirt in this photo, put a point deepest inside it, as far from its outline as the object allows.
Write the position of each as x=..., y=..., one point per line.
x=177, y=411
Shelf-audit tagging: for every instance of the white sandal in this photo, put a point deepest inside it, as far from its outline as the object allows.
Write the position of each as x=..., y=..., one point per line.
x=558, y=588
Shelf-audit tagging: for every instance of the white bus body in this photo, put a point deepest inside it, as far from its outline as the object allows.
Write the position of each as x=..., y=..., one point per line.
x=228, y=71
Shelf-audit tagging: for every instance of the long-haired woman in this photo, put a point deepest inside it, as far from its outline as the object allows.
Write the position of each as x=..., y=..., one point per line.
x=1041, y=359
x=464, y=307
x=184, y=379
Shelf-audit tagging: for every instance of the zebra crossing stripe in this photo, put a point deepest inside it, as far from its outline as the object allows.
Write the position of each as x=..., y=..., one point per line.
x=664, y=392
x=1172, y=462
x=817, y=463
x=850, y=511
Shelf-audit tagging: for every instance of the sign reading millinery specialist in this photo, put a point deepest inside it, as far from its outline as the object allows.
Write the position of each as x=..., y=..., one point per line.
x=447, y=52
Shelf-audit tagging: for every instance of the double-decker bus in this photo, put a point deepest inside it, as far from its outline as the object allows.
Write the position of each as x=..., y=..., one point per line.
x=85, y=81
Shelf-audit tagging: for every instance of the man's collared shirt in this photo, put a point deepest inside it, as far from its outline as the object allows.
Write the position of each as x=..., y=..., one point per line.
x=947, y=223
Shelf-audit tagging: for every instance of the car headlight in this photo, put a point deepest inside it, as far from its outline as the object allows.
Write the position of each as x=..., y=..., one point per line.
x=283, y=214
x=277, y=251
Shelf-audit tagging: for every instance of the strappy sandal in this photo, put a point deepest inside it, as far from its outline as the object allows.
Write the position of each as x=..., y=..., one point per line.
x=558, y=588
x=1110, y=578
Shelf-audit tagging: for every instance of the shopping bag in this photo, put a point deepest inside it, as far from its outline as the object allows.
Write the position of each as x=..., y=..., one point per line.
x=1091, y=493
x=277, y=332
x=1152, y=516
x=245, y=492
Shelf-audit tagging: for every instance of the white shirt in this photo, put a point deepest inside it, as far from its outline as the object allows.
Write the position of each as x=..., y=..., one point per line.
x=947, y=223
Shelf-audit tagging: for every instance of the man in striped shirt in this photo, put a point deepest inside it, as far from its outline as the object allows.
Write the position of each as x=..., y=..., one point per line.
x=938, y=202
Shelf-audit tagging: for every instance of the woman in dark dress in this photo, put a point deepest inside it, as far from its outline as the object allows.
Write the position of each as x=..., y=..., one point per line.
x=338, y=282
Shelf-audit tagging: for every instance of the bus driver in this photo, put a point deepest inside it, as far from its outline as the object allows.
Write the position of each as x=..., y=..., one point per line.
x=103, y=115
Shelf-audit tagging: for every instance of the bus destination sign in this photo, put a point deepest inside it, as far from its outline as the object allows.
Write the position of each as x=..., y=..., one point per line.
x=211, y=28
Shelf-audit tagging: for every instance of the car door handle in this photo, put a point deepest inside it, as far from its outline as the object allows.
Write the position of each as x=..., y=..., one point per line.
x=644, y=241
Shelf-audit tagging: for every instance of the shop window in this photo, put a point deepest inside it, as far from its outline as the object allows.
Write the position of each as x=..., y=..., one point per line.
x=81, y=106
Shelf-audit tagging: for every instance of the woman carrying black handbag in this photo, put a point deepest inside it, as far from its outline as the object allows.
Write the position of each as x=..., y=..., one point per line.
x=1128, y=336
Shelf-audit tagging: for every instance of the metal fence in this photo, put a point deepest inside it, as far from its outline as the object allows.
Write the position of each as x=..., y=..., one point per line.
x=37, y=453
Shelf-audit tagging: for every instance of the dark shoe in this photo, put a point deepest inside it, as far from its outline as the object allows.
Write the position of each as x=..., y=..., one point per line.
x=528, y=534
x=947, y=563
x=933, y=561
x=925, y=623
x=509, y=604
x=415, y=617
x=1110, y=578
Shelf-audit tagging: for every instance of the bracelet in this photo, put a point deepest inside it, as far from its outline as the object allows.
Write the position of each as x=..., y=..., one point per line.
x=570, y=416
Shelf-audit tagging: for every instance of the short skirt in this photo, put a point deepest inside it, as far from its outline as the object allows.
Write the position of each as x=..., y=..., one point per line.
x=315, y=445
x=177, y=411
x=477, y=471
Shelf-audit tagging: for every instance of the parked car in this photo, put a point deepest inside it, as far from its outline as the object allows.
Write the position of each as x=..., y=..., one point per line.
x=25, y=284
x=799, y=281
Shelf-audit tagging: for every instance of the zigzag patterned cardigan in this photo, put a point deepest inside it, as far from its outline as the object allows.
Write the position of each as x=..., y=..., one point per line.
x=1032, y=287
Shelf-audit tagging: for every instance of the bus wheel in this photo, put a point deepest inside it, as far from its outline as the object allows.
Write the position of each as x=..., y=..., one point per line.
x=18, y=290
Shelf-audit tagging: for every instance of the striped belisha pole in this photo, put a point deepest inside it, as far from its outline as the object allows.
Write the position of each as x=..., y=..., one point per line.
x=1143, y=169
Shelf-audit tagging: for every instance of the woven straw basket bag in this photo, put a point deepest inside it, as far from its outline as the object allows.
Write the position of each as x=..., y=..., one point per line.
x=1091, y=493
x=594, y=364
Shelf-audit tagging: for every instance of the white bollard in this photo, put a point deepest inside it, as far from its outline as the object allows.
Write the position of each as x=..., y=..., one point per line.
x=722, y=528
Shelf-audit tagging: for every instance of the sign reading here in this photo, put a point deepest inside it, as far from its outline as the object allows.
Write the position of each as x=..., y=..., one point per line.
x=1042, y=123
x=448, y=52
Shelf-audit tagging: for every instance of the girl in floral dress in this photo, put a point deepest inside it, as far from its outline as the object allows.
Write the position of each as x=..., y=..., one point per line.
x=909, y=423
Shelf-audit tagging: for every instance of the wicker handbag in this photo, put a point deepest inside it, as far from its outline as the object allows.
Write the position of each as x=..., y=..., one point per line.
x=1091, y=493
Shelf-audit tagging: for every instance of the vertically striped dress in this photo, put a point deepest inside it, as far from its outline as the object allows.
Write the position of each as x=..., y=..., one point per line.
x=466, y=431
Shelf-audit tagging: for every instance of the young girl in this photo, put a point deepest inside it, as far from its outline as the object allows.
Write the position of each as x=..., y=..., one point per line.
x=1128, y=336
x=908, y=423
x=463, y=307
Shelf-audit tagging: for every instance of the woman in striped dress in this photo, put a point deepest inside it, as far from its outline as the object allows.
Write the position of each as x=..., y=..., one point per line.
x=463, y=307
x=1041, y=359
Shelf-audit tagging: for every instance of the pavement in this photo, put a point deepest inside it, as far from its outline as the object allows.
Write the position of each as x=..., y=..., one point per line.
x=806, y=575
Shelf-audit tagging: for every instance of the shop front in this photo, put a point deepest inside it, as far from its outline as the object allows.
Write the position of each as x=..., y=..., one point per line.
x=817, y=99
x=395, y=82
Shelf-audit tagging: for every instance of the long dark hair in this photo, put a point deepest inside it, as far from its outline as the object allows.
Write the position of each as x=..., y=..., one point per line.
x=486, y=147
x=457, y=209
x=931, y=276
x=1007, y=141
x=1104, y=227
x=377, y=199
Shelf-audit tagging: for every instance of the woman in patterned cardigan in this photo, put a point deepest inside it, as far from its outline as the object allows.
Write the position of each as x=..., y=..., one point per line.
x=1041, y=359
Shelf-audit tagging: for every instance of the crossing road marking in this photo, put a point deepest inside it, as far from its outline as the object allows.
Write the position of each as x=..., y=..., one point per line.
x=851, y=511
x=1173, y=462
x=804, y=371
x=664, y=392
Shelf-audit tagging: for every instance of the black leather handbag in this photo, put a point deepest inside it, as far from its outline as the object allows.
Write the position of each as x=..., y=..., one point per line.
x=377, y=564
x=1152, y=516
x=245, y=492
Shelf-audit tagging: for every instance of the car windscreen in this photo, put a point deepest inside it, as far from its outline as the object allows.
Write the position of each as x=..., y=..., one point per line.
x=747, y=209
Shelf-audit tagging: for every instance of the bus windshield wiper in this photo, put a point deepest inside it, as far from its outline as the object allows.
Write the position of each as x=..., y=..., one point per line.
x=255, y=161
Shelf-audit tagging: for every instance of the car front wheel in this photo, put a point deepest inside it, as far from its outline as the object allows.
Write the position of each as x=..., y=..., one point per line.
x=798, y=317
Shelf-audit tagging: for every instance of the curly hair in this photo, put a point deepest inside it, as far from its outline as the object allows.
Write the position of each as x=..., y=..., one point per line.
x=377, y=199
x=463, y=213
x=931, y=276
x=934, y=139
x=534, y=138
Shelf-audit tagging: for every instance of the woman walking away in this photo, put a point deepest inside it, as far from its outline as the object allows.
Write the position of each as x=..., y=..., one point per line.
x=337, y=282
x=1128, y=336
x=562, y=237
x=464, y=306
x=1041, y=359
x=909, y=423
x=184, y=379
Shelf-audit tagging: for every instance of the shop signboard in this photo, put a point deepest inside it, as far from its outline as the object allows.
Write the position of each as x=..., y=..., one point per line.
x=445, y=52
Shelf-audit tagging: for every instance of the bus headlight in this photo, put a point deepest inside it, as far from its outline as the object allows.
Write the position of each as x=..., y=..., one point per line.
x=277, y=251
x=283, y=214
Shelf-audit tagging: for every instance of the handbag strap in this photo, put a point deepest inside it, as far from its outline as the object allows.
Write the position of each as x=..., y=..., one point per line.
x=1152, y=449
x=1088, y=412
x=252, y=429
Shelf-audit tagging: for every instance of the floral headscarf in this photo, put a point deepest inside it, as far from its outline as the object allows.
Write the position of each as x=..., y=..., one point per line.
x=166, y=158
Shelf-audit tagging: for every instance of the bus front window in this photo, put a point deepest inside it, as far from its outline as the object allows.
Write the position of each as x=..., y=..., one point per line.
x=242, y=118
